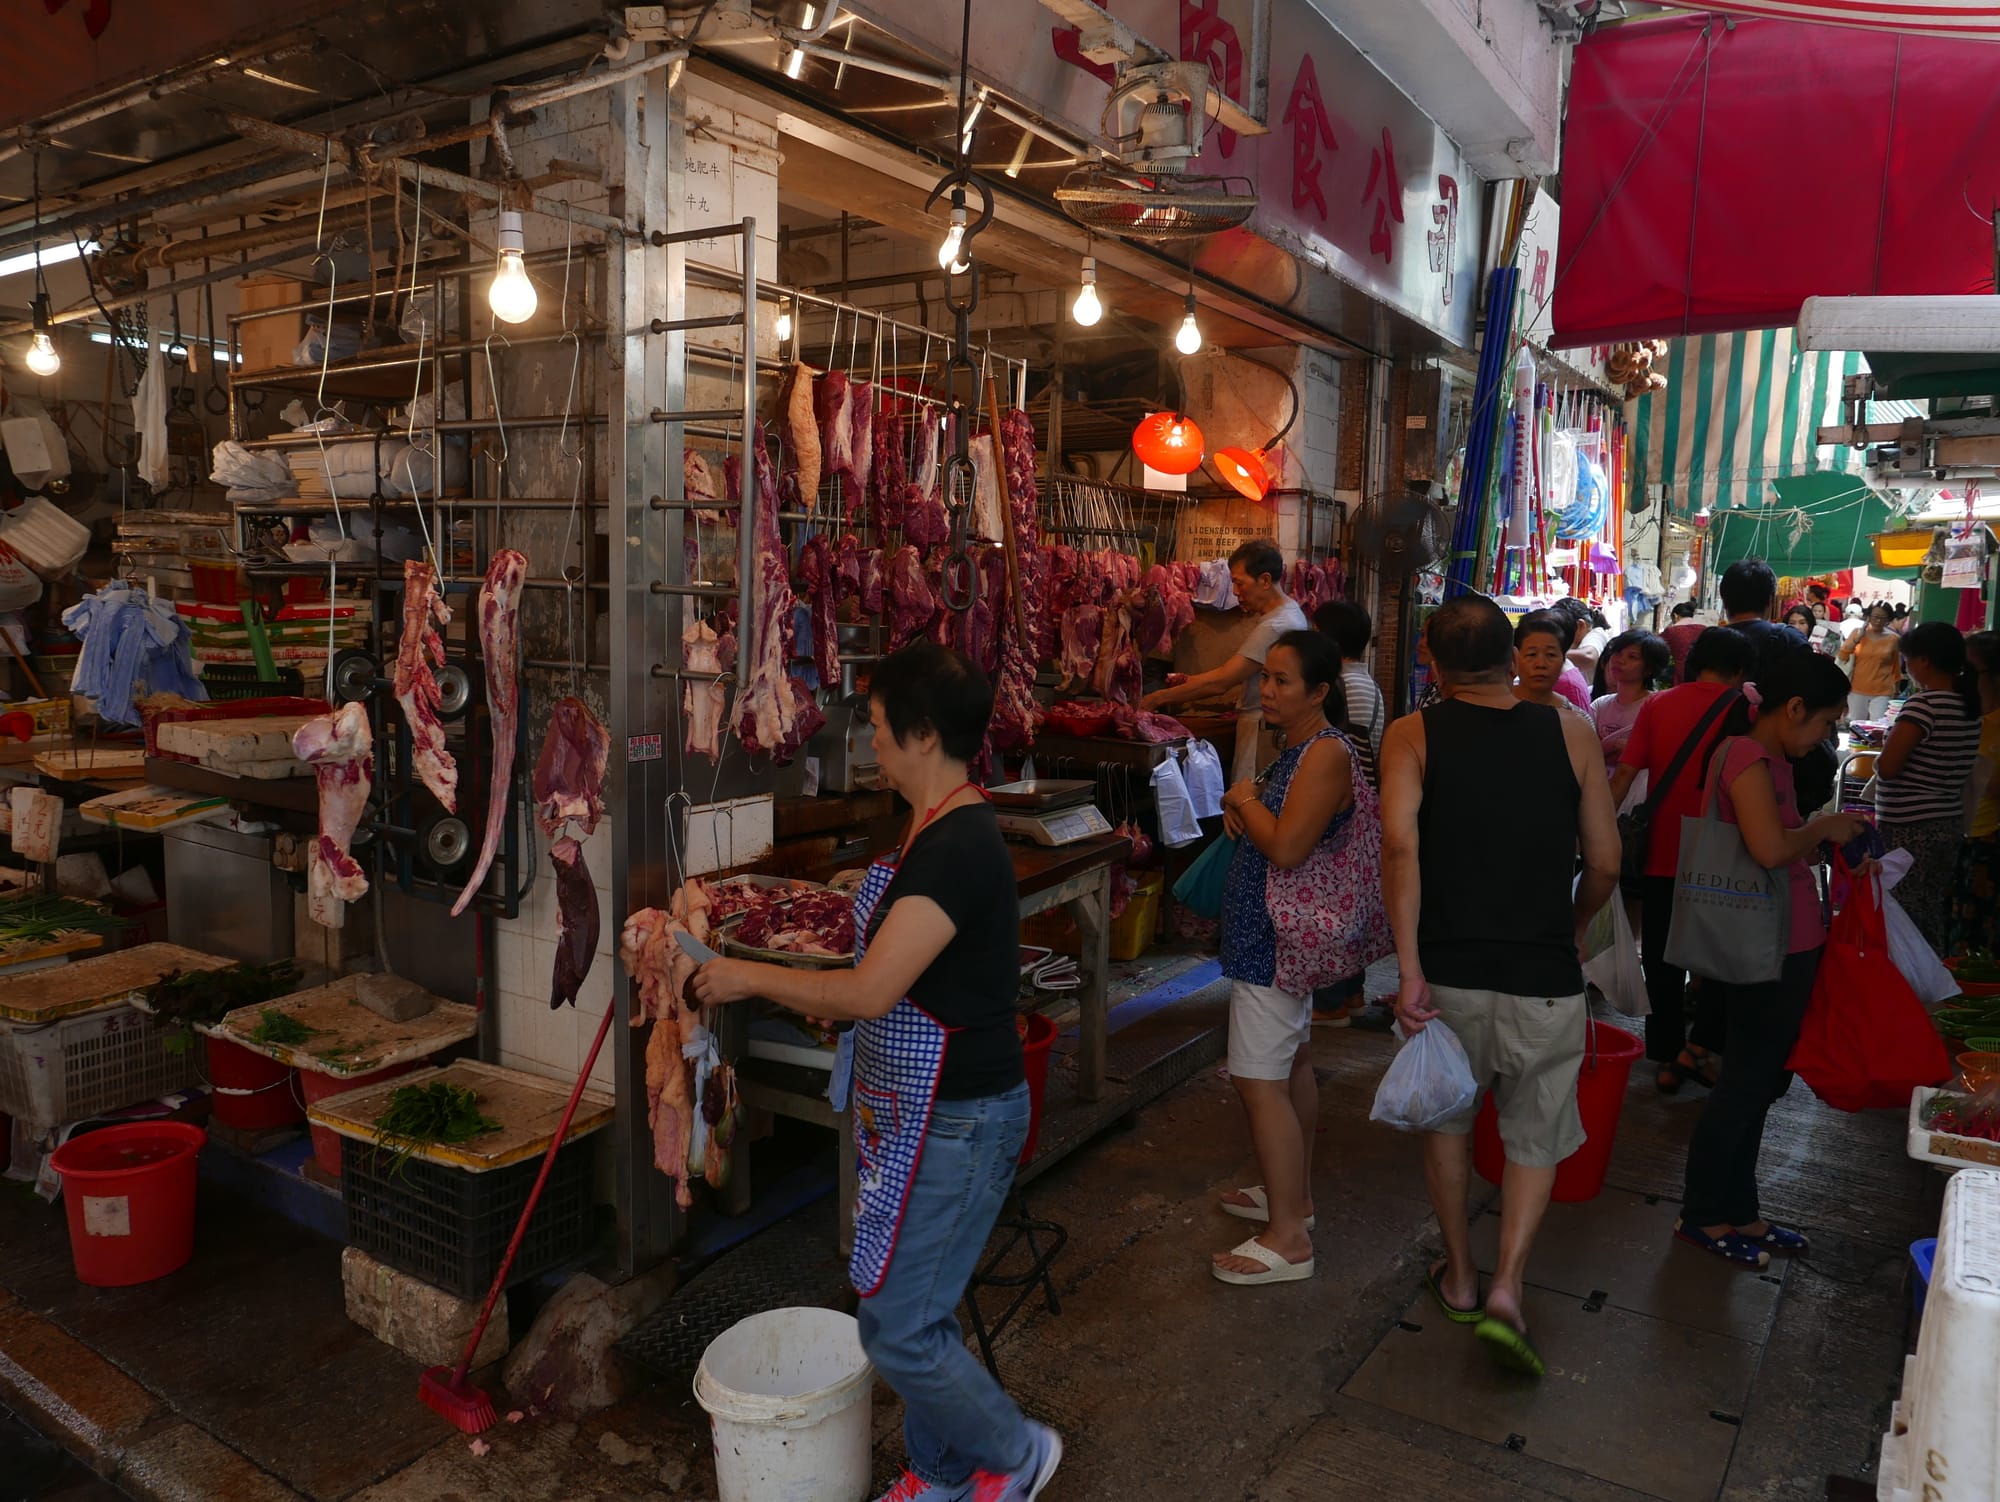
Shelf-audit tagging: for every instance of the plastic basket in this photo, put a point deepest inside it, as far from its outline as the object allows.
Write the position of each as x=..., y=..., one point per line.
x=1942, y=1441
x=78, y=1066
x=450, y=1227
x=233, y=682
x=1923, y=1256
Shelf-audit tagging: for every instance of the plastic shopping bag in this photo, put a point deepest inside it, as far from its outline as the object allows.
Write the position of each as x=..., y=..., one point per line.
x=1614, y=969
x=1907, y=947
x=1204, y=780
x=1428, y=1083
x=1200, y=887
x=1178, y=825
x=1866, y=1041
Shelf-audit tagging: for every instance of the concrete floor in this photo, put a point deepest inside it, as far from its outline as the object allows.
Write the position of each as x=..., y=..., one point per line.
x=1672, y=1375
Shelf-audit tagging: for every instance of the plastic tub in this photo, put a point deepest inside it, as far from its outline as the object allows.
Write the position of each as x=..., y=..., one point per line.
x=1978, y=1070
x=789, y=1400
x=1600, y=1096
x=250, y=1093
x=1035, y=1046
x=129, y=1194
x=317, y=1086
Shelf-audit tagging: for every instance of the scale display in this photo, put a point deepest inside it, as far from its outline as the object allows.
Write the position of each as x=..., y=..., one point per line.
x=1062, y=826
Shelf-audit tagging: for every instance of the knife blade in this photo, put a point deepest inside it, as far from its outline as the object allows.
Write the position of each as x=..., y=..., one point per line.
x=694, y=949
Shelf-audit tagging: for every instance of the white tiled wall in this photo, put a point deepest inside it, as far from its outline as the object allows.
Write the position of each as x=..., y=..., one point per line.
x=532, y=1037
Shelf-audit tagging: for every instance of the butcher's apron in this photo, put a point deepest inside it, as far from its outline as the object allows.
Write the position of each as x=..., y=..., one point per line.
x=886, y=1074
x=1249, y=746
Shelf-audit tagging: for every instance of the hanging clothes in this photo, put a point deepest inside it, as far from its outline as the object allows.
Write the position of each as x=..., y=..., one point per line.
x=133, y=644
x=149, y=410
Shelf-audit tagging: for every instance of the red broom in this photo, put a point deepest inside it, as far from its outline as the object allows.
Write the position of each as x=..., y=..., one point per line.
x=448, y=1392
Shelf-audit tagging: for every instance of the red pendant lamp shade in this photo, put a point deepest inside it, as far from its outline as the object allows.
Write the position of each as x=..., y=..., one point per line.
x=1247, y=471
x=1169, y=443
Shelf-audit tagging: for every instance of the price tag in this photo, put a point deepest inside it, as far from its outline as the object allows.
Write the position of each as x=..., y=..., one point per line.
x=642, y=748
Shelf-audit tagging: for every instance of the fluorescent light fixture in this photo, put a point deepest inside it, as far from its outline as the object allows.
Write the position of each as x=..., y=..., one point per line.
x=1902, y=325
x=283, y=83
x=52, y=255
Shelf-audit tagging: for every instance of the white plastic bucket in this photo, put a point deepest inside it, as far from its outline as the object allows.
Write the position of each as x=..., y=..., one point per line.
x=788, y=1394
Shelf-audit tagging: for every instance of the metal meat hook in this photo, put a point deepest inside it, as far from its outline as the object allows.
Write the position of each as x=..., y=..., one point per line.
x=960, y=484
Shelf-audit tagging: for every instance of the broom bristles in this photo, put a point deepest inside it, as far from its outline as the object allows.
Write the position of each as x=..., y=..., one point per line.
x=462, y=1405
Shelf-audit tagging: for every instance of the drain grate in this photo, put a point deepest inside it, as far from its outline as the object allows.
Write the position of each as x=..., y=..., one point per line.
x=793, y=1264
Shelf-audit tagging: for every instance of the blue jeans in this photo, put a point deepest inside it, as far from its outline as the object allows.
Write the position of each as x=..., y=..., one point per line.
x=956, y=1418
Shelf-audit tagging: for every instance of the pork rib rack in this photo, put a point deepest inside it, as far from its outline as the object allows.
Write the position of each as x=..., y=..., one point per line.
x=421, y=648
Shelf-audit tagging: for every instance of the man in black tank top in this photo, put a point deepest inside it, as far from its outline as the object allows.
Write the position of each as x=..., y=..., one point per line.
x=1486, y=802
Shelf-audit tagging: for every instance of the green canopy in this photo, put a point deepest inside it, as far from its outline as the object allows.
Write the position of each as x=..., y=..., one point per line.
x=1820, y=524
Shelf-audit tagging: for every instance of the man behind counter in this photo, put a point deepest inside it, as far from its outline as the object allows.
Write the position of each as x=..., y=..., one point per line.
x=1256, y=572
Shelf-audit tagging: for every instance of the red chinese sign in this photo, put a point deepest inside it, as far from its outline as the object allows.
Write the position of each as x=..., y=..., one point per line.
x=1312, y=132
x=1388, y=202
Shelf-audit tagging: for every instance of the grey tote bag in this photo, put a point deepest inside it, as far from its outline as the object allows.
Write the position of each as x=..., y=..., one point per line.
x=1732, y=917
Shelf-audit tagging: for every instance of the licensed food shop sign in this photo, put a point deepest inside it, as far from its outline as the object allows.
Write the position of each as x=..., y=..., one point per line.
x=1352, y=177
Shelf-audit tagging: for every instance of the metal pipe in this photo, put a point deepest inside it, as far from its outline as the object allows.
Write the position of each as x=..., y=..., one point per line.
x=519, y=104
x=746, y=539
x=77, y=221
x=131, y=299
x=305, y=230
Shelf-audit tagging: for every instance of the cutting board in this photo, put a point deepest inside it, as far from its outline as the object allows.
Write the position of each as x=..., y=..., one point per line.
x=263, y=743
x=151, y=808
x=347, y=1038
x=93, y=764
x=526, y=1106
x=82, y=985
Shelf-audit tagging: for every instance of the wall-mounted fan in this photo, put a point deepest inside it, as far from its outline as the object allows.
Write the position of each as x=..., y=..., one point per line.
x=1402, y=535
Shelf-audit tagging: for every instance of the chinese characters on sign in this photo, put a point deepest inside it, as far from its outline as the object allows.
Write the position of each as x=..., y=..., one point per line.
x=1442, y=238
x=1389, y=203
x=96, y=14
x=1312, y=132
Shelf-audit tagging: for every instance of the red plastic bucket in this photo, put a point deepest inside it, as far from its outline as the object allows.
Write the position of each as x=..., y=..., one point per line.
x=129, y=1194
x=318, y=1086
x=1035, y=1047
x=1600, y=1095
x=249, y=1092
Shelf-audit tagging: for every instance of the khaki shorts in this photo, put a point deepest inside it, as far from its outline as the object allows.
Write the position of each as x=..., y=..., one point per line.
x=1267, y=1027
x=1527, y=1050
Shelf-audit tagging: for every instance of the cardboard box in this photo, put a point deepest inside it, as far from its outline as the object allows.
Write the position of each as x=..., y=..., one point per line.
x=267, y=343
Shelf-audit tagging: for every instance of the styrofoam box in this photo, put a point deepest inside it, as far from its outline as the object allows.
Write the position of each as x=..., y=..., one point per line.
x=1942, y=1440
x=1944, y=1148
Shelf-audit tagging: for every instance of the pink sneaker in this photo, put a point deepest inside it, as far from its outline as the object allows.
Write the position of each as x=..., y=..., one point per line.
x=1025, y=1484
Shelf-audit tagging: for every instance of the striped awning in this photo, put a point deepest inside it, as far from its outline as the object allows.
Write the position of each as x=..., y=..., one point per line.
x=1978, y=19
x=1739, y=411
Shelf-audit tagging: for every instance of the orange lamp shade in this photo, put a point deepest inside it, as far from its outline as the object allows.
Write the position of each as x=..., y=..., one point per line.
x=1247, y=471
x=1169, y=443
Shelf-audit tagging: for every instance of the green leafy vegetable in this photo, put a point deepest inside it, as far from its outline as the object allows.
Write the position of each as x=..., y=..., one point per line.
x=419, y=1115
x=278, y=1028
x=35, y=918
x=184, y=999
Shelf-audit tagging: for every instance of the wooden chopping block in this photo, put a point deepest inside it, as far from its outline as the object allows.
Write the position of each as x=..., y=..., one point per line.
x=262, y=771
x=392, y=997
x=216, y=742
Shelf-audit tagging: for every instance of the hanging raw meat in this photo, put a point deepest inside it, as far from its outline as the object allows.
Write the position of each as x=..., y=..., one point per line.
x=833, y=408
x=924, y=519
x=703, y=699
x=775, y=712
x=424, y=611
x=1082, y=633
x=500, y=651
x=576, y=922
x=818, y=587
x=802, y=430
x=986, y=520
x=889, y=480
x=930, y=433
x=340, y=749
x=847, y=568
x=655, y=961
x=912, y=602
x=871, y=581
x=569, y=774
x=861, y=414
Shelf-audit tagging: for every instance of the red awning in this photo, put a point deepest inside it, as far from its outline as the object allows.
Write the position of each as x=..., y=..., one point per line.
x=1714, y=176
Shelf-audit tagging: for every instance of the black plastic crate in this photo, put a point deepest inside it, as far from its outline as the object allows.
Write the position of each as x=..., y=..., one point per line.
x=450, y=1227
x=228, y=682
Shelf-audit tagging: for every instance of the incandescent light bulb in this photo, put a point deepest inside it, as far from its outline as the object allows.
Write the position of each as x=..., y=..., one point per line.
x=512, y=295
x=954, y=240
x=42, y=357
x=1188, y=340
x=1087, y=309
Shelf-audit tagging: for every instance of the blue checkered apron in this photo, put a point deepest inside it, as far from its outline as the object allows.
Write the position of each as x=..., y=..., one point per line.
x=887, y=1075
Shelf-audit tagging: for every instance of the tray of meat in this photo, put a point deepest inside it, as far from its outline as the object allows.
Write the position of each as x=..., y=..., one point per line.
x=1078, y=717
x=812, y=930
x=733, y=896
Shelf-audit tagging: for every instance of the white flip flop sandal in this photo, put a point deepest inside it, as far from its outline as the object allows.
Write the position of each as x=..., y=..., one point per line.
x=1259, y=1208
x=1276, y=1268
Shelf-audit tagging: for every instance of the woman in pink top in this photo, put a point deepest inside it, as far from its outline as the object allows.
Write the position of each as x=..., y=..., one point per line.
x=1803, y=693
x=1632, y=663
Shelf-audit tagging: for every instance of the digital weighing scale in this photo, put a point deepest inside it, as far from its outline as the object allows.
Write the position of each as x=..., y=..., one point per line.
x=1049, y=812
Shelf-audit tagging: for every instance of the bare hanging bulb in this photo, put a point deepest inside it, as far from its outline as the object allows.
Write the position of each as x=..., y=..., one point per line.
x=1087, y=309
x=42, y=357
x=954, y=240
x=512, y=295
x=1188, y=340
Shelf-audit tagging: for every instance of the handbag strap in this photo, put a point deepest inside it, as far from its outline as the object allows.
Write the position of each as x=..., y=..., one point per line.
x=1713, y=776
x=1659, y=791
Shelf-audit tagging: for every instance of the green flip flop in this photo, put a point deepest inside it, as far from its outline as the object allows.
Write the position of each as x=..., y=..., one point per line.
x=1445, y=1306
x=1510, y=1348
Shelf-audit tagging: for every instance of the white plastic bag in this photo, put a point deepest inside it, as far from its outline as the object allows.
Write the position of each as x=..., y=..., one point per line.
x=1178, y=825
x=1428, y=1083
x=1614, y=969
x=1204, y=779
x=1915, y=958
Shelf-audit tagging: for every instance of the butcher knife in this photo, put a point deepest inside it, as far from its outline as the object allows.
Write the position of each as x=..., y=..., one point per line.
x=694, y=949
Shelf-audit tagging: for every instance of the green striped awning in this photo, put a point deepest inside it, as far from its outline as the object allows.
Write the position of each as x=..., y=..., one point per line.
x=1741, y=410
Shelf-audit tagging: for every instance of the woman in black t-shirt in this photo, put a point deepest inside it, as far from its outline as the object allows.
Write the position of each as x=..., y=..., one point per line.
x=939, y=1101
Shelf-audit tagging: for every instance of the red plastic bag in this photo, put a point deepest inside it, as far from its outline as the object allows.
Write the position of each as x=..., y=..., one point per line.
x=1866, y=1041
